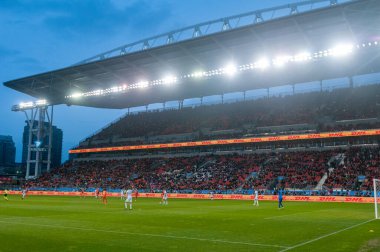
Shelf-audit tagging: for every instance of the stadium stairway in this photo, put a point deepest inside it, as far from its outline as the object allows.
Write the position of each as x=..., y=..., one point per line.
x=206, y=163
x=253, y=175
x=336, y=160
x=323, y=180
x=248, y=178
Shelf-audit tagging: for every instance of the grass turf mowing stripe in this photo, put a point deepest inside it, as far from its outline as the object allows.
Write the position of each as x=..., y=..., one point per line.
x=326, y=235
x=151, y=235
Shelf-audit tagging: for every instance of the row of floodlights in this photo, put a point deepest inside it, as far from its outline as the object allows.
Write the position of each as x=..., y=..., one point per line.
x=29, y=105
x=232, y=69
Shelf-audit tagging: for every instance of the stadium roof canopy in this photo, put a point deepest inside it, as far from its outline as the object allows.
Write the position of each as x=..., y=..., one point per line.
x=244, y=38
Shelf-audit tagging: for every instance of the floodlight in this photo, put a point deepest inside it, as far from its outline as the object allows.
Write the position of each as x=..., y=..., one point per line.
x=142, y=84
x=115, y=89
x=342, y=50
x=41, y=102
x=169, y=79
x=262, y=64
x=98, y=92
x=76, y=95
x=281, y=60
x=230, y=69
x=197, y=74
x=30, y=105
x=23, y=105
x=304, y=56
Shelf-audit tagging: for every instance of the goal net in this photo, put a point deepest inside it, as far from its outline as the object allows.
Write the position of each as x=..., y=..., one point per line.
x=376, y=195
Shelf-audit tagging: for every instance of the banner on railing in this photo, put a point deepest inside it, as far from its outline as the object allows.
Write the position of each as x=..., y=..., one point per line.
x=326, y=135
x=215, y=196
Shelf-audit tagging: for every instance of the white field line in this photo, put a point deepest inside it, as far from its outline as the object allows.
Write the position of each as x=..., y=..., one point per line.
x=146, y=234
x=326, y=235
x=29, y=217
x=286, y=215
x=300, y=213
x=20, y=218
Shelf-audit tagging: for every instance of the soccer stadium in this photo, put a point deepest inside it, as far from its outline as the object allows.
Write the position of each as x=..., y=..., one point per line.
x=264, y=136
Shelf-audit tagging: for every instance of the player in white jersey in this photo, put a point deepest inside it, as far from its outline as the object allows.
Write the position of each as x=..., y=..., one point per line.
x=122, y=195
x=256, y=199
x=129, y=199
x=212, y=195
x=23, y=194
x=164, y=200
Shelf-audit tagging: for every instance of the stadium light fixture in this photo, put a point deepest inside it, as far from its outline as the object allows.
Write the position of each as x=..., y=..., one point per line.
x=115, y=89
x=76, y=95
x=30, y=105
x=281, y=60
x=341, y=50
x=230, y=69
x=142, y=84
x=98, y=92
x=303, y=56
x=23, y=105
x=170, y=79
x=41, y=102
x=197, y=74
x=262, y=64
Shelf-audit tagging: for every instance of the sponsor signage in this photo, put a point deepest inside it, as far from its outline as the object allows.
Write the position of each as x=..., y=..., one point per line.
x=216, y=196
x=326, y=135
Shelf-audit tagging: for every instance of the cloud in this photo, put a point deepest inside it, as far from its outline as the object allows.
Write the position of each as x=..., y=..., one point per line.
x=14, y=61
x=60, y=33
x=86, y=17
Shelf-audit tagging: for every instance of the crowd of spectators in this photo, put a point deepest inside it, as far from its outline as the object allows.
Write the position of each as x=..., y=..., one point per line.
x=357, y=170
x=297, y=170
x=319, y=108
x=346, y=169
x=301, y=170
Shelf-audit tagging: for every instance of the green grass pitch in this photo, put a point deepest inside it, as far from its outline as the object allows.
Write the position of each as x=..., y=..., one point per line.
x=74, y=224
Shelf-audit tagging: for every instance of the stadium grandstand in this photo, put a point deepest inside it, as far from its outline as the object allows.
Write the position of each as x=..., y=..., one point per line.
x=284, y=97
x=258, y=132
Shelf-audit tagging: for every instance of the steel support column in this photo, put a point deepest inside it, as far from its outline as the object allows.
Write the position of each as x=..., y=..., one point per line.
x=40, y=140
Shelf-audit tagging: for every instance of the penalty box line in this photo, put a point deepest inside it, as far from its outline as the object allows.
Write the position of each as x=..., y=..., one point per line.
x=326, y=235
x=147, y=234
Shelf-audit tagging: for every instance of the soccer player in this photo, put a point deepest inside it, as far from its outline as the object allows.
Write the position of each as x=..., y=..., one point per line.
x=82, y=192
x=136, y=194
x=122, y=194
x=164, y=200
x=211, y=195
x=280, y=199
x=23, y=194
x=256, y=199
x=96, y=193
x=128, y=200
x=6, y=192
x=104, y=196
